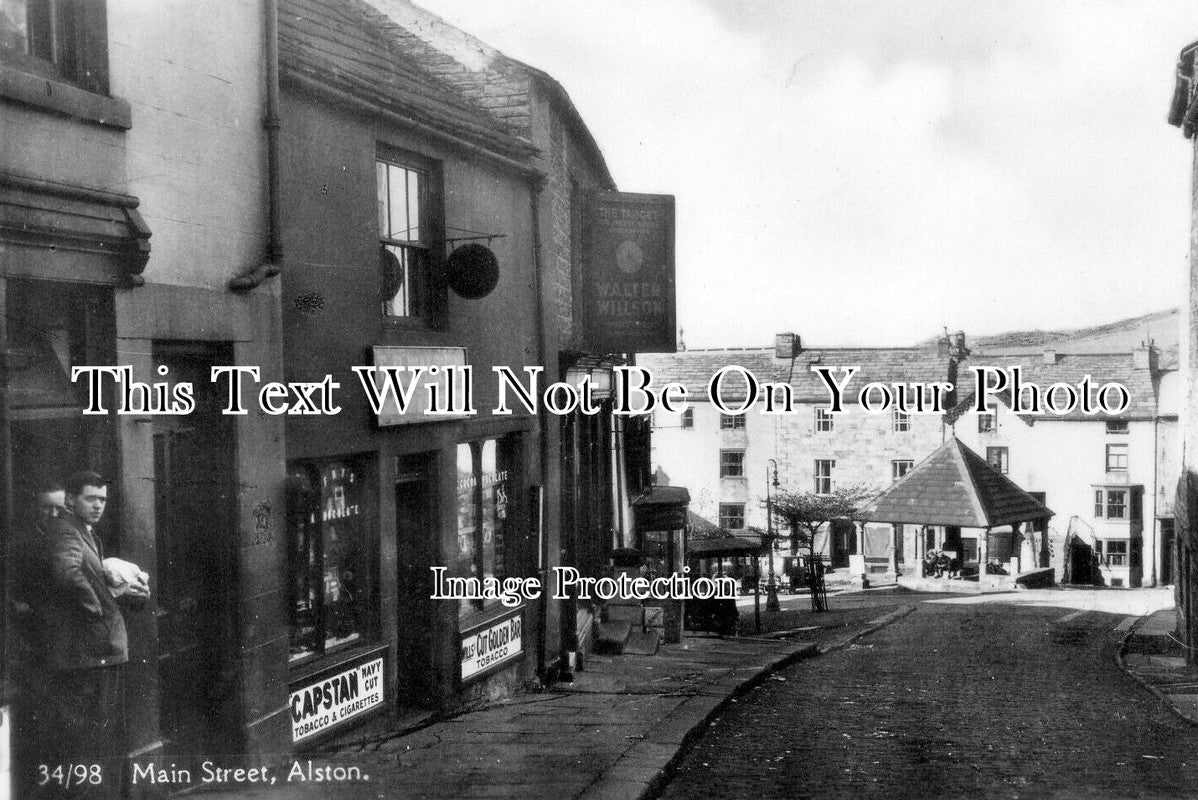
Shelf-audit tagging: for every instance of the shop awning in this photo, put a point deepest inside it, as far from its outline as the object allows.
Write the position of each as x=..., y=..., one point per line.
x=722, y=547
x=662, y=508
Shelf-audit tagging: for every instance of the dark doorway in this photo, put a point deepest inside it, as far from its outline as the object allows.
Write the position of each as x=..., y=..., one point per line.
x=1166, y=545
x=196, y=540
x=844, y=542
x=1083, y=563
x=415, y=520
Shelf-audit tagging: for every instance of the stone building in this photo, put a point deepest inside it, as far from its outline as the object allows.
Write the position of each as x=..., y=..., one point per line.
x=326, y=184
x=1066, y=461
x=134, y=186
x=727, y=460
x=1101, y=474
x=1183, y=113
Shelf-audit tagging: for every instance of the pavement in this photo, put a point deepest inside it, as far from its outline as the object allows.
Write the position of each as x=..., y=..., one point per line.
x=1014, y=695
x=1153, y=655
x=612, y=733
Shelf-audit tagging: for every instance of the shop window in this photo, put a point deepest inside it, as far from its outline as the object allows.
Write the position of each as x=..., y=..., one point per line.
x=1116, y=458
x=731, y=422
x=484, y=501
x=901, y=422
x=1117, y=426
x=688, y=418
x=61, y=39
x=732, y=516
x=824, y=482
x=1110, y=503
x=732, y=463
x=987, y=420
x=999, y=458
x=408, y=221
x=331, y=538
x=823, y=420
x=900, y=467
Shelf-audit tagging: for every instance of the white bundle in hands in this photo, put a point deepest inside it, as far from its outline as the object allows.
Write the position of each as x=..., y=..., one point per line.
x=125, y=577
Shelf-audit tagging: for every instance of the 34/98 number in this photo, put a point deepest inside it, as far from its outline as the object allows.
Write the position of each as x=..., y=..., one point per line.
x=69, y=775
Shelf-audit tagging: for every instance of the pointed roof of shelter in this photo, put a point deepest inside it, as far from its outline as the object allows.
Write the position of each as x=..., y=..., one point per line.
x=955, y=486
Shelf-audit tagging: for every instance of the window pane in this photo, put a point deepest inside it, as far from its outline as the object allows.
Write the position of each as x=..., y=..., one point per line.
x=344, y=543
x=305, y=577
x=14, y=26
x=494, y=510
x=413, y=224
x=398, y=199
x=380, y=173
x=1116, y=504
x=396, y=286
x=463, y=565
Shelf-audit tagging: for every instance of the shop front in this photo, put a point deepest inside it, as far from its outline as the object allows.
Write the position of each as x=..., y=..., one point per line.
x=368, y=639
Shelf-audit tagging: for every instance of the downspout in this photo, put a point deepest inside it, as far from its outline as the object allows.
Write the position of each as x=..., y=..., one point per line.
x=273, y=263
x=1154, y=524
x=536, y=185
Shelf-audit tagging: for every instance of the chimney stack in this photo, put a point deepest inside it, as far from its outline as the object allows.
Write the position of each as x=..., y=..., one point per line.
x=957, y=349
x=1144, y=356
x=1050, y=356
x=787, y=345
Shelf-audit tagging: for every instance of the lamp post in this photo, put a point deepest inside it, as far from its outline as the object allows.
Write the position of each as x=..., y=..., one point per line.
x=771, y=601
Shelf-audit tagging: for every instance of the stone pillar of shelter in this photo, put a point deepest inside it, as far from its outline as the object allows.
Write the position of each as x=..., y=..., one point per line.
x=921, y=550
x=983, y=554
x=1027, y=549
x=894, y=546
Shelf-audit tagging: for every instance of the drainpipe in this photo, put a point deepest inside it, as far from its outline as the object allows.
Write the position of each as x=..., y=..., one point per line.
x=273, y=263
x=536, y=185
x=1153, y=524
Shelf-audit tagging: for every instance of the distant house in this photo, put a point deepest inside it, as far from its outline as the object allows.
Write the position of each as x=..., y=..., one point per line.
x=1100, y=473
x=1103, y=475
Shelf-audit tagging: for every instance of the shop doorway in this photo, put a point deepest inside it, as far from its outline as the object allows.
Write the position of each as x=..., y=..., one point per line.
x=1167, y=546
x=415, y=532
x=196, y=540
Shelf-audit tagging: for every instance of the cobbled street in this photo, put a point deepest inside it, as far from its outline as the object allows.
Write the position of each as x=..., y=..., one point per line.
x=965, y=697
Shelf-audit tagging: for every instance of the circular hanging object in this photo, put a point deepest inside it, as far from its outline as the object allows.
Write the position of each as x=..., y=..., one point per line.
x=391, y=271
x=473, y=271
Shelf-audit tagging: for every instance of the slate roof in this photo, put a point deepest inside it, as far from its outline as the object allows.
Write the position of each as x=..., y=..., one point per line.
x=349, y=46
x=888, y=365
x=1069, y=368
x=695, y=368
x=955, y=486
x=497, y=82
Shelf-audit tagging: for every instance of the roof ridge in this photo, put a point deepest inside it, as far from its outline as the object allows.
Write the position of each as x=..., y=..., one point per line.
x=975, y=497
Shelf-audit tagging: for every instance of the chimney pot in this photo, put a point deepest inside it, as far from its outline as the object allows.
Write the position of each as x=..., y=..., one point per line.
x=787, y=345
x=1144, y=357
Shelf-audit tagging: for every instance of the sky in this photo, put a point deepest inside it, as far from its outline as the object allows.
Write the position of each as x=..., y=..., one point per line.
x=869, y=172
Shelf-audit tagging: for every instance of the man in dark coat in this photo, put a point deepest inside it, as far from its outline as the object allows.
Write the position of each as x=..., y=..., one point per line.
x=84, y=636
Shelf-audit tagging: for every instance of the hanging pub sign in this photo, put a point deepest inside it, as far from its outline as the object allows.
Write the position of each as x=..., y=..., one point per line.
x=627, y=286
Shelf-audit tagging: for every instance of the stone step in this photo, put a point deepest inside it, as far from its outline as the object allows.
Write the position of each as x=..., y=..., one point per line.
x=633, y=615
x=643, y=644
x=612, y=637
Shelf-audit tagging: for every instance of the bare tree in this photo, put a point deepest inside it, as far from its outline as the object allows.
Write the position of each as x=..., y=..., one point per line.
x=806, y=512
